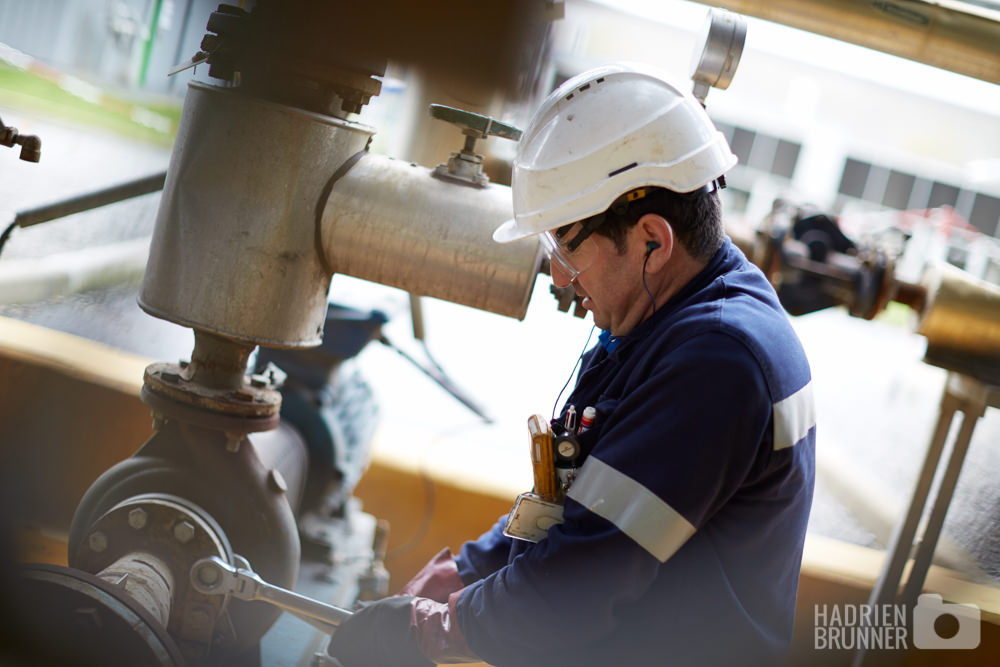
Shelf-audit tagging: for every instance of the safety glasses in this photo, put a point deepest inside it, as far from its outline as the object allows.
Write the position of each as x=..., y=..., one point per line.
x=570, y=248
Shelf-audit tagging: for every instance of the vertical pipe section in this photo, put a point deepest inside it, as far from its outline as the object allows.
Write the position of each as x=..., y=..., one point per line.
x=392, y=222
x=234, y=247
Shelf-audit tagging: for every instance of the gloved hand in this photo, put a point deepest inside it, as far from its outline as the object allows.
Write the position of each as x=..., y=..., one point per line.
x=379, y=634
x=401, y=631
x=437, y=580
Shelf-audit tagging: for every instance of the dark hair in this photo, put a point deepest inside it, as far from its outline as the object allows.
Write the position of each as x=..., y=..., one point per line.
x=696, y=218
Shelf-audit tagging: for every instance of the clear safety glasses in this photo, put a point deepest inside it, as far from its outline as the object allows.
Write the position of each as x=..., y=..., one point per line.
x=570, y=249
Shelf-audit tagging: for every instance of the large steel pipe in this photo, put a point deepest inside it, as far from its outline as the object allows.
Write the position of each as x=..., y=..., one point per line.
x=392, y=222
x=234, y=247
x=962, y=314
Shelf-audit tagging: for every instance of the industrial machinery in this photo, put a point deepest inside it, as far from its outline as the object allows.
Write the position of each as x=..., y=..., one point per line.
x=187, y=552
x=271, y=191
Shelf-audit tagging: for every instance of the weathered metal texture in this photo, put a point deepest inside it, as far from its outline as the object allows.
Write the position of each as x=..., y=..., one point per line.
x=71, y=617
x=234, y=248
x=147, y=579
x=393, y=223
x=147, y=545
x=961, y=321
x=233, y=488
x=958, y=37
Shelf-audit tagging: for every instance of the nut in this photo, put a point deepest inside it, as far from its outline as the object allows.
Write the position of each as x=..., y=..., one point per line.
x=137, y=518
x=158, y=420
x=97, y=541
x=184, y=531
x=243, y=394
x=233, y=441
x=259, y=381
x=170, y=376
x=207, y=575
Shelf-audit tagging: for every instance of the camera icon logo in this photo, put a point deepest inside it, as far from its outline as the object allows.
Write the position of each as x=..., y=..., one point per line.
x=934, y=624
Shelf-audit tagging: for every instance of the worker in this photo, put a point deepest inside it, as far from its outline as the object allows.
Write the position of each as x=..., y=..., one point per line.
x=683, y=529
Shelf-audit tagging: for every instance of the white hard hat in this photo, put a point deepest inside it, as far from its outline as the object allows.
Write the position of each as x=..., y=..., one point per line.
x=603, y=133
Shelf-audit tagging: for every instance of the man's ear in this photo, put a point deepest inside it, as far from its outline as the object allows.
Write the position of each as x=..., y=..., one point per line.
x=657, y=238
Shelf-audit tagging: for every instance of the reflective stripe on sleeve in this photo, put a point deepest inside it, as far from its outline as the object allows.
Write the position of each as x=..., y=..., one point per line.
x=793, y=417
x=634, y=509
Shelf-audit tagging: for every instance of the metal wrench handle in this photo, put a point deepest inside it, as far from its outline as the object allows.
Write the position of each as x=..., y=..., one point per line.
x=214, y=576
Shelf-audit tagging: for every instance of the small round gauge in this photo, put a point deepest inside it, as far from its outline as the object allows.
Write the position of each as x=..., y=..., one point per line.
x=567, y=448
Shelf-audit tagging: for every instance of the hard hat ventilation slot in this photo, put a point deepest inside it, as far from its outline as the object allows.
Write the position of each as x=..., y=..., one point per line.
x=622, y=169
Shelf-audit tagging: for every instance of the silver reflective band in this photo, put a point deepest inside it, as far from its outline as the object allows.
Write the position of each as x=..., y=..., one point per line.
x=634, y=509
x=793, y=417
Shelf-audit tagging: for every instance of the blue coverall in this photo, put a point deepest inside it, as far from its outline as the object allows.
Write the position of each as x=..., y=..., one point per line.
x=684, y=529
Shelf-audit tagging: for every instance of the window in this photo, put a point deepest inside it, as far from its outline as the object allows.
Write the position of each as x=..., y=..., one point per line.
x=852, y=182
x=762, y=152
x=942, y=194
x=985, y=214
x=901, y=190
x=898, y=190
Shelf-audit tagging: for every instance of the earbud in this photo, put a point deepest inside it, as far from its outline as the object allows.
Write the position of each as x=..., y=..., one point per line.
x=651, y=246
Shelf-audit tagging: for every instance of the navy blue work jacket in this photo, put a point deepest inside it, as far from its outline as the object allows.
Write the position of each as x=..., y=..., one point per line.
x=683, y=531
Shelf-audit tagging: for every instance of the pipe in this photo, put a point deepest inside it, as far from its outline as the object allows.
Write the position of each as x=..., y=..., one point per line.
x=954, y=36
x=962, y=314
x=393, y=223
x=234, y=246
x=90, y=200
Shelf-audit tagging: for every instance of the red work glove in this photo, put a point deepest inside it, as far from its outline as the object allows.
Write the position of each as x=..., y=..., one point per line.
x=402, y=631
x=437, y=580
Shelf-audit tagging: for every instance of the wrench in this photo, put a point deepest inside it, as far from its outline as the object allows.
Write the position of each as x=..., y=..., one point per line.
x=214, y=576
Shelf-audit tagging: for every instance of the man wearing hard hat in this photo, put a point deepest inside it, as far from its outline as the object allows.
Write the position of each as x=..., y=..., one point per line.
x=683, y=524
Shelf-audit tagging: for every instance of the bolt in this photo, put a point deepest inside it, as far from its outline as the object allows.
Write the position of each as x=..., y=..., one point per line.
x=88, y=618
x=276, y=481
x=233, y=441
x=183, y=532
x=97, y=541
x=137, y=518
x=243, y=394
x=159, y=421
x=259, y=381
x=208, y=575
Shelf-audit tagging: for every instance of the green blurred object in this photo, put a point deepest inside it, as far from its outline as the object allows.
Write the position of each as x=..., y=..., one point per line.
x=32, y=92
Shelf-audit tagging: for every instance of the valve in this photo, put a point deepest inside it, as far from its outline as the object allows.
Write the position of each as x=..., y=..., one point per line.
x=466, y=166
x=31, y=146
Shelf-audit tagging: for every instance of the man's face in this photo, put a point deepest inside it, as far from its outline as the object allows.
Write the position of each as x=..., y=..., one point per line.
x=611, y=286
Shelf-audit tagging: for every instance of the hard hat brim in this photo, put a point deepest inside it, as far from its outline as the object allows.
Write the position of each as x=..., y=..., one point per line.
x=509, y=232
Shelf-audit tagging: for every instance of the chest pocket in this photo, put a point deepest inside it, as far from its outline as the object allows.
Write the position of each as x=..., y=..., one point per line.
x=588, y=439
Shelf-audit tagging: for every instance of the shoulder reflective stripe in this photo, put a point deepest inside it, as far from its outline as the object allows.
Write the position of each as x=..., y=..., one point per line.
x=634, y=509
x=793, y=417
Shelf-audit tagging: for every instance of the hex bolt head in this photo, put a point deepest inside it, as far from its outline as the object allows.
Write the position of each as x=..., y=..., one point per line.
x=158, y=421
x=243, y=394
x=97, y=541
x=137, y=518
x=258, y=381
x=207, y=575
x=184, y=531
x=88, y=619
x=233, y=441
x=170, y=376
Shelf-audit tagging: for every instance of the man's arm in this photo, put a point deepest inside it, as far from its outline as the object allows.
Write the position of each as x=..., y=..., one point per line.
x=674, y=451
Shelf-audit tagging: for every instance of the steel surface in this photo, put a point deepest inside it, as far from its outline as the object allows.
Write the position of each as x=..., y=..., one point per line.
x=233, y=251
x=393, y=223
